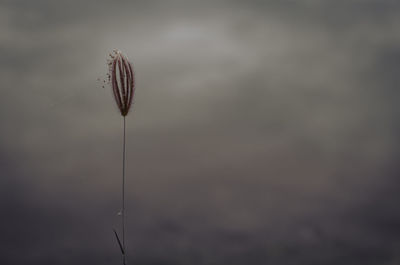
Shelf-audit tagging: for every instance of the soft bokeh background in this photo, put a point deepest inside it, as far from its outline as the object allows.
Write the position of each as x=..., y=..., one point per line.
x=263, y=132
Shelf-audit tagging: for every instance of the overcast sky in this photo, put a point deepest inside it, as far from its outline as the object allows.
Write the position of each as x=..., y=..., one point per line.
x=262, y=132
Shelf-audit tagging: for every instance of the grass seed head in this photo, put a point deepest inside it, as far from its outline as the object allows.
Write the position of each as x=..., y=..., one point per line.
x=121, y=76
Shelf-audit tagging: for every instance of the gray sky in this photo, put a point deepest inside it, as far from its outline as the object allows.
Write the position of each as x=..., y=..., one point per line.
x=262, y=132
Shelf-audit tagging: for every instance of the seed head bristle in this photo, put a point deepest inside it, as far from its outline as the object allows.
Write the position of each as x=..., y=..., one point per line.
x=121, y=76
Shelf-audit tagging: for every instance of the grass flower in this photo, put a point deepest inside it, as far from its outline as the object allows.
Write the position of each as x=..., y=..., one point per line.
x=121, y=78
x=122, y=81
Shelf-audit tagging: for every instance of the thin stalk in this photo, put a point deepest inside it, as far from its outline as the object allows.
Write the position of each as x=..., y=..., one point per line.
x=123, y=197
x=122, y=83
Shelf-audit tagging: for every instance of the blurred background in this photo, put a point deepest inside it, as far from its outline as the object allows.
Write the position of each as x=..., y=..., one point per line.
x=262, y=132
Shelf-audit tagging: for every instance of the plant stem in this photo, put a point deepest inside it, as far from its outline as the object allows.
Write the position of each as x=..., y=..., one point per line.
x=123, y=197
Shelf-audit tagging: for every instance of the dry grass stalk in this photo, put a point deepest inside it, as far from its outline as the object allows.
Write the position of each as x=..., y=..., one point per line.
x=122, y=81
